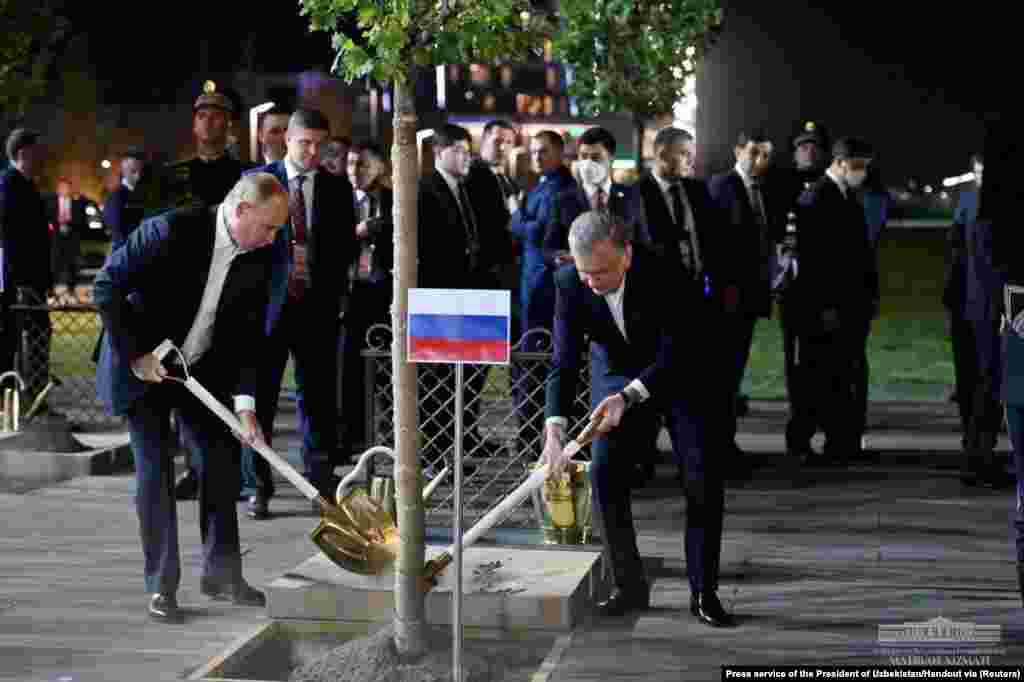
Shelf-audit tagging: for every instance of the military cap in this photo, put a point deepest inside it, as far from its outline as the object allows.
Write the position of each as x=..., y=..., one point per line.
x=211, y=98
x=811, y=131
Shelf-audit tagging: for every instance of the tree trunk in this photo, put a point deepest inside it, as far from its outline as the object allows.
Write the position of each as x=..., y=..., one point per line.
x=638, y=143
x=410, y=622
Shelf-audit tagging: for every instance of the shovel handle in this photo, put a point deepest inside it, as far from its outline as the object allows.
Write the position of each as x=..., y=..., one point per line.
x=229, y=418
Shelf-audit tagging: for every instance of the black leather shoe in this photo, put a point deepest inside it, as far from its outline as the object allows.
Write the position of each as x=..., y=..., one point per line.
x=164, y=608
x=708, y=610
x=187, y=486
x=258, y=508
x=241, y=593
x=622, y=602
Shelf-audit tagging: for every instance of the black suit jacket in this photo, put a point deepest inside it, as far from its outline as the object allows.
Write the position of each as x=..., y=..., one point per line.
x=331, y=247
x=139, y=308
x=747, y=254
x=25, y=235
x=498, y=247
x=445, y=262
x=123, y=212
x=381, y=236
x=837, y=264
x=664, y=233
x=662, y=340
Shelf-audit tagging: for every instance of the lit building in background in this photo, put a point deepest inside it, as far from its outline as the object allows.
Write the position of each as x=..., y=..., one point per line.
x=534, y=96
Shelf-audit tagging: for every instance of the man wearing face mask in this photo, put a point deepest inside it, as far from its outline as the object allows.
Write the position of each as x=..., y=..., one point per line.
x=836, y=294
x=743, y=284
x=594, y=191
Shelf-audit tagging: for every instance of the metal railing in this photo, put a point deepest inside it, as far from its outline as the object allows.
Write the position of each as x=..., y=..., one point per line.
x=56, y=343
x=503, y=421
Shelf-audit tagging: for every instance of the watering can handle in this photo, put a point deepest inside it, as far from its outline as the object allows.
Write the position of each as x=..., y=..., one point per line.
x=361, y=472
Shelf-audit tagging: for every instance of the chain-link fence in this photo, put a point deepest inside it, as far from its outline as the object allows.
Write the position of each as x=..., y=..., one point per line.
x=503, y=421
x=54, y=347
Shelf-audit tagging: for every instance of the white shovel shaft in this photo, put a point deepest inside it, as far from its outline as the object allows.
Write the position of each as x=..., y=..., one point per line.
x=229, y=418
x=498, y=514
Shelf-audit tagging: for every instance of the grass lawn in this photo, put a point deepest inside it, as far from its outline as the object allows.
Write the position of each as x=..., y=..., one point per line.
x=910, y=356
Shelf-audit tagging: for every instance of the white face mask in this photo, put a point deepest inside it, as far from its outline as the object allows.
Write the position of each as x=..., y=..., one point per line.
x=855, y=179
x=592, y=172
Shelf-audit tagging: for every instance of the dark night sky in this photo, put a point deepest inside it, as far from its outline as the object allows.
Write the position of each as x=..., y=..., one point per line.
x=903, y=74
x=917, y=84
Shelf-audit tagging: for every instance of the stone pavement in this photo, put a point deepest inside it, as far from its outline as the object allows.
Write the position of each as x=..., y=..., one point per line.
x=811, y=569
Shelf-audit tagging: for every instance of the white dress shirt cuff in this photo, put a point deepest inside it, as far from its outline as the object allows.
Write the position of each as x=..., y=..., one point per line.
x=245, y=402
x=637, y=386
x=561, y=421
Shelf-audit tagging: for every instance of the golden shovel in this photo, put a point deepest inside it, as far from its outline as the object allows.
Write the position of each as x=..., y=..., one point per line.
x=360, y=536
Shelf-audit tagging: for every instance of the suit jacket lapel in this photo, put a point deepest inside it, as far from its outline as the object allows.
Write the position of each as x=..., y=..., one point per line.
x=281, y=173
x=314, y=223
x=630, y=303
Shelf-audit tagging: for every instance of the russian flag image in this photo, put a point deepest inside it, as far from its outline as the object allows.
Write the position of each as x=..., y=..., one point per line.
x=459, y=325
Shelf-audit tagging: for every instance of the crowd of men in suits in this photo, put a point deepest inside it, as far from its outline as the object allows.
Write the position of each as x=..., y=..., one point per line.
x=666, y=278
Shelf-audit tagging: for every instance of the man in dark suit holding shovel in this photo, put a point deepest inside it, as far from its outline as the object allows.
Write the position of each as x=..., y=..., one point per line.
x=216, y=316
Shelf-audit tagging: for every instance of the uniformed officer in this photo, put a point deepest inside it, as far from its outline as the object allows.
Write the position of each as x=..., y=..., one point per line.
x=204, y=179
x=810, y=158
x=836, y=293
x=208, y=176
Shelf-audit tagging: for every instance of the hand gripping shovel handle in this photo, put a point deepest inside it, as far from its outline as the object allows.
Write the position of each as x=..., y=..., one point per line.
x=436, y=566
x=229, y=418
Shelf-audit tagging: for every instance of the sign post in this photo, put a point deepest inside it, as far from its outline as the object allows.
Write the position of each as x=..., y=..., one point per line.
x=457, y=326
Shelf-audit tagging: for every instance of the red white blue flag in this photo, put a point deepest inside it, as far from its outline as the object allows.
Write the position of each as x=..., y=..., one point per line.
x=459, y=325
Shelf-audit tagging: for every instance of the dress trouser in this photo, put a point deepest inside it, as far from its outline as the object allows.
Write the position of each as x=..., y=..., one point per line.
x=313, y=344
x=215, y=456
x=736, y=338
x=826, y=370
x=965, y=367
x=986, y=411
x=614, y=459
x=1015, y=425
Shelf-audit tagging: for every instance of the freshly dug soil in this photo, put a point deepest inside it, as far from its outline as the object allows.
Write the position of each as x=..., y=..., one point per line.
x=374, y=659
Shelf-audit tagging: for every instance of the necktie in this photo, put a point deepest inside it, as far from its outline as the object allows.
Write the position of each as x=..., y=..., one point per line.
x=686, y=245
x=757, y=203
x=506, y=185
x=298, y=211
x=599, y=201
x=472, y=236
x=297, y=208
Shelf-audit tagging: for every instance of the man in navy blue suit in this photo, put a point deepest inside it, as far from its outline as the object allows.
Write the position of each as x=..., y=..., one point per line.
x=531, y=223
x=311, y=259
x=645, y=365
x=593, y=191
x=836, y=294
x=216, y=317
x=984, y=279
x=25, y=265
x=743, y=280
x=954, y=297
x=124, y=208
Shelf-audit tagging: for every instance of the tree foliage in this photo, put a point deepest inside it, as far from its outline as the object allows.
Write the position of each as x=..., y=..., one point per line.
x=634, y=55
x=385, y=39
x=29, y=32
